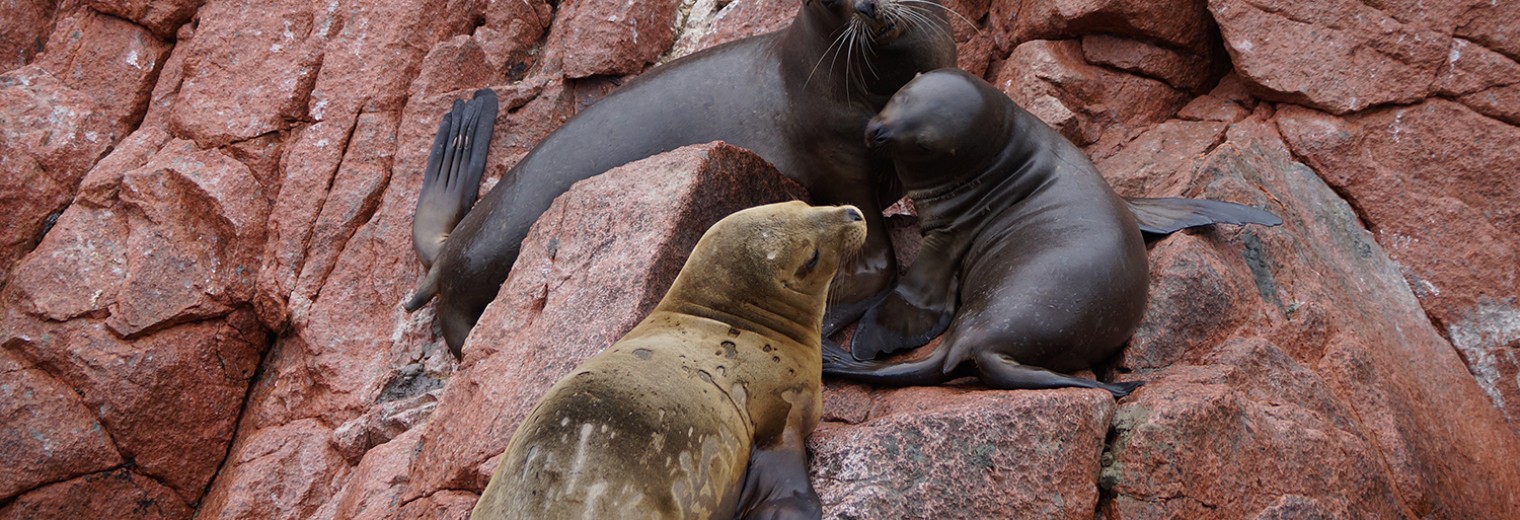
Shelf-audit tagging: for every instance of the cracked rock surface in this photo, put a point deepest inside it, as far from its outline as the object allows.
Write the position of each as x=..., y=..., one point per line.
x=206, y=238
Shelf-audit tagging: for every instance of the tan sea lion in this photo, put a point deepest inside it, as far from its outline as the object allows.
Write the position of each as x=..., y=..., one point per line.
x=799, y=97
x=701, y=410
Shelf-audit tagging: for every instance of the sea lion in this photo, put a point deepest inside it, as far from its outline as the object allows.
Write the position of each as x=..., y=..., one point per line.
x=799, y=97
x=701, y=410
x=1030, y=265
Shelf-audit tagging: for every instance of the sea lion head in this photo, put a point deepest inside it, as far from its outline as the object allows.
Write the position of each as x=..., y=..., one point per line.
x=880, y=44
x=940, y=116
x=771, y=265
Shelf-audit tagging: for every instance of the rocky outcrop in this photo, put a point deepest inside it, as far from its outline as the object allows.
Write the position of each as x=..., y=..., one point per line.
x=206, y=238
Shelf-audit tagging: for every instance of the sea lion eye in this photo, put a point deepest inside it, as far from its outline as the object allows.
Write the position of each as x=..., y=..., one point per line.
x=808, y=267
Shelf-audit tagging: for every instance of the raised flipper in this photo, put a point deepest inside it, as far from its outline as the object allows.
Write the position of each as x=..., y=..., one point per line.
x=452, y=179
x=456, y=163
x=999, y=371
x=922, y=304
x=1161, y=217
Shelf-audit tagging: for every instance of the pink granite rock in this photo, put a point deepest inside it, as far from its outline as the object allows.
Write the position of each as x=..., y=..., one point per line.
x=119, y=493
x=612, y=37
x=49, y=435
x=1086, y=103
x=62, y=114
x=957, y=453
x=1340, y=55
x=1423, y=179
x=24, y=31
x=245, y=76
x=1332, y=397
x=1180, y=24
x=161, y=17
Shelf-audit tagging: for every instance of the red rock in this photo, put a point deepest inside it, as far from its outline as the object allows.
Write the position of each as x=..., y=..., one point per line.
x=709, y=24
x=1483, y=80
x=1422, y=178
x=443, y=505
x=197, y=220
x=512, y=34
x=366, y=44
x=64, y=113
x=587, y=256
x=1340, y=56
x=930, y=452
x=1182, y=24
x=281, y=472
x=1163, y=161
x=1488, y=24
x=112, y=61
x=169, y=400
x=163, y=18
x=119, y=493
x=53, y=135
x=245, y=76
x=612, y=37
x=23, y=31
x=1237, y=433
x=1179, y=70
x=1323, y=392
x=376, y=484
x=1087, y=104
x=49, y=435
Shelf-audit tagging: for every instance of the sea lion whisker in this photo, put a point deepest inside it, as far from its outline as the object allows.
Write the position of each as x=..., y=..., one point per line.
x=921, y=19
x=867, y=50
x=910, y=4
x=823, y=55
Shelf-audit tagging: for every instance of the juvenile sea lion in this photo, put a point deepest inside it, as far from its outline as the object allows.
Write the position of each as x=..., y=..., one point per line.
x=799, y=97
x=1031, y=264
x=701, y=410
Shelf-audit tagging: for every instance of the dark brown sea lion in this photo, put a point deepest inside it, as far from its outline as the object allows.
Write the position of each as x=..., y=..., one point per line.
x=799, y=97
x=1031, y=264
x=701, y=410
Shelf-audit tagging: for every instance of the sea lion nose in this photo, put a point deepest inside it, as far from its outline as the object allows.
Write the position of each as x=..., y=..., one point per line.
x=877, y=134
x=867, y=8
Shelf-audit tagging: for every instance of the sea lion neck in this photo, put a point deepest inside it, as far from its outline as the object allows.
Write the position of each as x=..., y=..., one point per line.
x=995, y=162
x=766, y=313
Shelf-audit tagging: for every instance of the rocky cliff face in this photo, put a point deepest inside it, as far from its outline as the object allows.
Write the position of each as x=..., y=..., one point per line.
x=205, y=242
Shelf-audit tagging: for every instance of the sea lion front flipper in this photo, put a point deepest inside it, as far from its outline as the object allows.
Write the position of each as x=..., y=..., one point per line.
x=920, y=307
x=776, y=486
x=1164, y=216
x=455, y=166
x=1000, y=371
x=865, y=279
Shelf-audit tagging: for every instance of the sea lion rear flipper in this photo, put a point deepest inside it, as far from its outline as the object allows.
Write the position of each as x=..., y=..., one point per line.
x=920, y=307
x=999, y=371
x=924, y=372
x=452, y=179
x=1164, y=216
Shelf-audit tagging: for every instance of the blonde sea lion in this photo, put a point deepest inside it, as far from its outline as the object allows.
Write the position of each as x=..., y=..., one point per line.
x=701, y=410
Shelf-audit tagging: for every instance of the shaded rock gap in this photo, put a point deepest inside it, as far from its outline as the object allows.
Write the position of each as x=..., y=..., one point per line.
x=237, y=426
